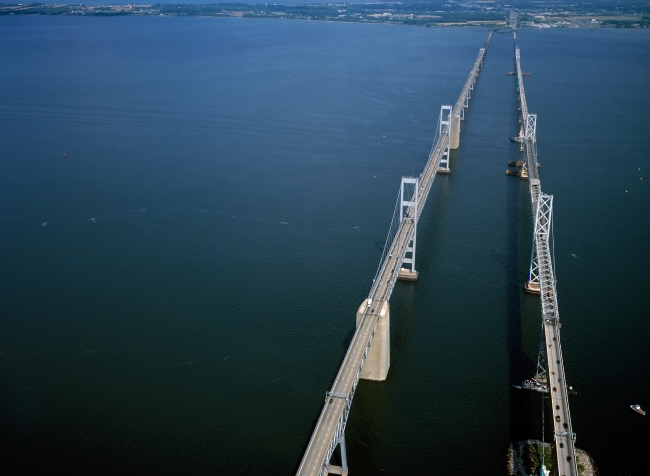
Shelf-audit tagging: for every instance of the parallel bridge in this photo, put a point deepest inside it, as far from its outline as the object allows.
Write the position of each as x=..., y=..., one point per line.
x=542, y=280
x=373, y=315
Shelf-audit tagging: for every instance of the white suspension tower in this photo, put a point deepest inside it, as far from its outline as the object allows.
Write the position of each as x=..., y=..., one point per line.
x=444, y=121
x=532, y=285
x=530, y=140
x=408, y=210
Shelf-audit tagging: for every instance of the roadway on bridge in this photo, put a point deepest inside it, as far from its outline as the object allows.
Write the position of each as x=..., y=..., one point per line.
x=331, y=423
x=564, y=436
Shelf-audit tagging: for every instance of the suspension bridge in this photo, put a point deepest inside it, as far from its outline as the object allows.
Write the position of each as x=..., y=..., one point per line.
x=368, y=355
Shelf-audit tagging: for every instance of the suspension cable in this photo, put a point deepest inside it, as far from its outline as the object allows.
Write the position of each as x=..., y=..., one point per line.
x=392, y=231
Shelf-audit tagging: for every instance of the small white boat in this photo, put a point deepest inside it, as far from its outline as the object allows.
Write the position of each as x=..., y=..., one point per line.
x=637, y=408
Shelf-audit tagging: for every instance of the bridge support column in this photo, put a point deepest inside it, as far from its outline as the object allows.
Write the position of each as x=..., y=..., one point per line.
x=532, y=285
x=445, y=120
x=454, y=141
x=343, y=469
x=344, y=457
x=411, y=274
x=529, y=137
x=378, y=360
x=531, y=127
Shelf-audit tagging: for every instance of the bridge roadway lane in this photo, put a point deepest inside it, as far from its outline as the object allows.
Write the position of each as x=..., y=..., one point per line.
x=564, y=442
x=323, y=438
x=333, y=417
x=431, y=168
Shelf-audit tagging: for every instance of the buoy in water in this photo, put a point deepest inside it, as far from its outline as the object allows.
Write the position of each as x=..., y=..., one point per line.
x=64, y=154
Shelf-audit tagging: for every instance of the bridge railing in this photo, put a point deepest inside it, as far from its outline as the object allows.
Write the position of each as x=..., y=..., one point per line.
x=335, y=412
x=428, y=175
x=542, y=209
x=431, y=167
x=426, y=180
x=564, y=436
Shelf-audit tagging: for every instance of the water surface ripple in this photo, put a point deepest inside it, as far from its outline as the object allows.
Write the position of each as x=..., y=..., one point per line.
x=178, y=289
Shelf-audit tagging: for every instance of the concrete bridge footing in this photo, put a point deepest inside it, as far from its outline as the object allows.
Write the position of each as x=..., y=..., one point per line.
x=378, y=360
x=454, y=140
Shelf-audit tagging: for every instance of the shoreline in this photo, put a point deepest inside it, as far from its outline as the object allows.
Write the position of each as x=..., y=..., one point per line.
x=426, y=15
x=524, y=459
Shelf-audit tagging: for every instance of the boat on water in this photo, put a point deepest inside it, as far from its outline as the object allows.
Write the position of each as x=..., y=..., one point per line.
x=637, y=408
x=519, y=163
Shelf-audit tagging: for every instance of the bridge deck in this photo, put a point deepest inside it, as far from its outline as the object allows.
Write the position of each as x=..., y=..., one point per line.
x=564, y=437
x=333, y=418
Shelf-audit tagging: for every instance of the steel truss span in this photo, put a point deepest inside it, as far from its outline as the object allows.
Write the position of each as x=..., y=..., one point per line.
x=542, y=276
x=330, y=428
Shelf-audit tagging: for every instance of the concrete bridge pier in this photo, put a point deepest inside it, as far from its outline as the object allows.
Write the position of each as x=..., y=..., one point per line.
x=454, y=140
x=454, y=135
x=378, y=360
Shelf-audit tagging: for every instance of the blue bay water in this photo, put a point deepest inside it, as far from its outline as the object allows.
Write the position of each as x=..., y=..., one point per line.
x=179, y=289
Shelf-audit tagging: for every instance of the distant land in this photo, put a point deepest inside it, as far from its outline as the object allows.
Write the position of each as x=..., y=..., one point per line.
x=534, y=14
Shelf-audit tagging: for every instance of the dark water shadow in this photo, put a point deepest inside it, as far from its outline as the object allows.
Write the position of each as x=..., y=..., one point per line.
x=347, y=340
x=520, y=364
